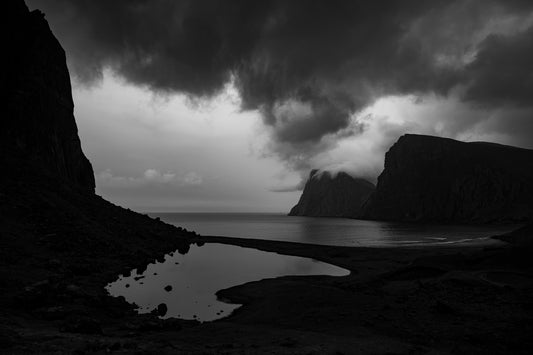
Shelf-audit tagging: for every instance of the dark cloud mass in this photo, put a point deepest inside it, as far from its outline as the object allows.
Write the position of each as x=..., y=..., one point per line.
x=502, y=73
x=307, y=66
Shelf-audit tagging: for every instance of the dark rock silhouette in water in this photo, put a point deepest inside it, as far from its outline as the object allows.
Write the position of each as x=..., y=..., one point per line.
x=38, y=125
x=328, y=195
x=443, y=180
x=160, y=310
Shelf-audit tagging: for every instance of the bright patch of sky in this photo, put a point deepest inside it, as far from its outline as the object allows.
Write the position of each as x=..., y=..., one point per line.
x=168, y=153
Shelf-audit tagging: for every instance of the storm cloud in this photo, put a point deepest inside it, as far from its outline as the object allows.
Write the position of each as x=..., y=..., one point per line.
x=307, y=66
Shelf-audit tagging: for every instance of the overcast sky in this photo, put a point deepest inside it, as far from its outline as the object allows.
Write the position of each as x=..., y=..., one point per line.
x=226, y=105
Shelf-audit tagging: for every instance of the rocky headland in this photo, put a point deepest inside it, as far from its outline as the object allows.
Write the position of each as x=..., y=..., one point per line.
x=332, y=195
x=432, y=179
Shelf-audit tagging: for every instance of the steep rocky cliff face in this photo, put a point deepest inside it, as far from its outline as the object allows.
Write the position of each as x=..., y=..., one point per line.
x=325, y=195
x=38, y=126
x=54, y=231
x=437, y=179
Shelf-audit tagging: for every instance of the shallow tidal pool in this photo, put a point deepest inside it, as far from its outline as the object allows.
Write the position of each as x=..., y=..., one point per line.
x=187, y=284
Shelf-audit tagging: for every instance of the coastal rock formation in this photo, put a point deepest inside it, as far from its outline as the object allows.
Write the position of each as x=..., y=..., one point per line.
x=60, y=245
x=327, y=195
x=443, y=180
x=60, y=242
x=38, y=126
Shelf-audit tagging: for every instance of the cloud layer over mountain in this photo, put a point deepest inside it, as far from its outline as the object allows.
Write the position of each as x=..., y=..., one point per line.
x=311, y=67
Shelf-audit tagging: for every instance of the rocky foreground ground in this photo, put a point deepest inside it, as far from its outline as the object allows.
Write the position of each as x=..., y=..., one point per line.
x=60, y=248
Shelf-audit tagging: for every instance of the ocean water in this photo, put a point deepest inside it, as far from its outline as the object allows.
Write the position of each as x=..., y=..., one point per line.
x=330, y=231
x=187, y=284
x=193, y=279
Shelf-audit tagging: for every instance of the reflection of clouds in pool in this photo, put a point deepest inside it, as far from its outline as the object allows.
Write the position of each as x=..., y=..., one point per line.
x=198, y=275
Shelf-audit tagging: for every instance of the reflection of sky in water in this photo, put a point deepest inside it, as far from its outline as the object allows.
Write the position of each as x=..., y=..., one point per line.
x=196, y=276
x=332, y=231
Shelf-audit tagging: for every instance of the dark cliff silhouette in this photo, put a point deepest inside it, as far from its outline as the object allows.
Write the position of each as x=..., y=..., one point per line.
x=327, y=195
x=60, y=242
x=38, y=126
x=443, y=180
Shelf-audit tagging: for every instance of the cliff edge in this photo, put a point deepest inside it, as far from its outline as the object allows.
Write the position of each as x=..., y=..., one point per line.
x=327, y=195
x=443, y=180
x=38, y=126
x=54, y=230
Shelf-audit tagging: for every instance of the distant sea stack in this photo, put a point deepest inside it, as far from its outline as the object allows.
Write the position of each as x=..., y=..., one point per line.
x=443, y=180
x=328, y=195
x=38, y=126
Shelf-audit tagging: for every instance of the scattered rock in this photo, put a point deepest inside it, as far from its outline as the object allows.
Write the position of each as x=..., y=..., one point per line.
x=160, y=310
x=73, y=289
x=81, y=268
x=443, y=308
x=54, y=264
x=416, y=272
x=115, y=346
x=8, y=337
x=288, y=343
x=84, y=325
x=51, y=313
